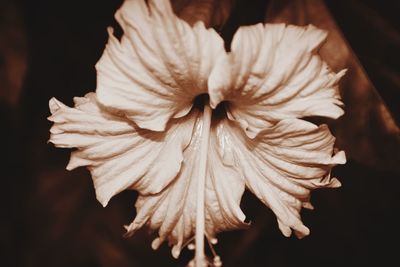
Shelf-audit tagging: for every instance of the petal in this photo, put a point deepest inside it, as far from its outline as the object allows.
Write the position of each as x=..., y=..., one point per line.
x=160, y=65
x=173, y=211
x=274, y=73
x=283, y=164
x=119, y=154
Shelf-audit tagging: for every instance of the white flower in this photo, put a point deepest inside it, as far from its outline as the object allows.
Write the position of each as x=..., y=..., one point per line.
x=141, y=129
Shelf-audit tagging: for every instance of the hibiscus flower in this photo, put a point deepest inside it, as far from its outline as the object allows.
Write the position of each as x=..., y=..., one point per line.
x=190, y=126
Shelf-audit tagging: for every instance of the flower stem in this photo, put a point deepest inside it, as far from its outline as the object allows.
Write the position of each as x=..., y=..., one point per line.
x=200, y=259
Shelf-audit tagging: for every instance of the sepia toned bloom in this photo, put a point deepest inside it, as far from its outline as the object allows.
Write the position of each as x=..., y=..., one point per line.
x=190, y=126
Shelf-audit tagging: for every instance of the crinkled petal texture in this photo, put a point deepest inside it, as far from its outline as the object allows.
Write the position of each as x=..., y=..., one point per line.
x=117, y=152
x=282, y=165
x=274, y=73
x=158, y=67
x=173, y=211
x=162, y=167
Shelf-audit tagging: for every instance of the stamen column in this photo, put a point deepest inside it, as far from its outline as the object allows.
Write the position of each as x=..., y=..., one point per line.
x=200, y=259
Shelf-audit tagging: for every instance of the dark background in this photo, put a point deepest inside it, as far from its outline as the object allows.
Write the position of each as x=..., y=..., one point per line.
x=50, y=216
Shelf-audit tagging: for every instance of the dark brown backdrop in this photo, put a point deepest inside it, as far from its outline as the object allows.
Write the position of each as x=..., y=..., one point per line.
x=51, y=217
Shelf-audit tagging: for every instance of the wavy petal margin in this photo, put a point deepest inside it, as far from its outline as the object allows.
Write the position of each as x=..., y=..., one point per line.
x=118, y=153
x=173, y=211
x=283, y=164
x=162, y=167
x=160, y=65
x=274, y=73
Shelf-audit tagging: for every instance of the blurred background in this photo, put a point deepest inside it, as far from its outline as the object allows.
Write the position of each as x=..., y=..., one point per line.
x=51, y=216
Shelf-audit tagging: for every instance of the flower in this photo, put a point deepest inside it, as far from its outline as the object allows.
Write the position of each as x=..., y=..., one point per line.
x=143, y=130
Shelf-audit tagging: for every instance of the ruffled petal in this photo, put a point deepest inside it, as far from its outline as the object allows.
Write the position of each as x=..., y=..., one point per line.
x=173, y=211
x=160, y=65
x=274, y=73
x=118, y=153
x=283, y=164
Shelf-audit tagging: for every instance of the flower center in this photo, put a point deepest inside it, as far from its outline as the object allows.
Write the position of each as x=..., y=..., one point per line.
x=218, y=113
x=200, y=100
